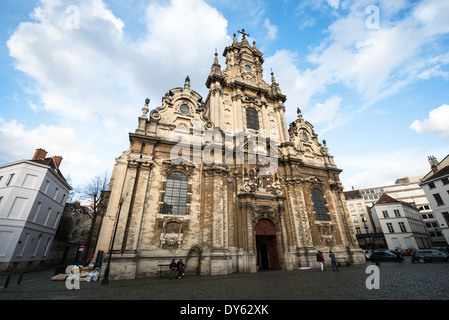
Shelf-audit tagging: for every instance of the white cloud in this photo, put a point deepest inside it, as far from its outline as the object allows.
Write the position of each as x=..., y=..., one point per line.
x=325, y=111
x=382, y=168
x=373, y=64
x=333, y=3
x=92, y=78
x=437, y=123
x=272, y=30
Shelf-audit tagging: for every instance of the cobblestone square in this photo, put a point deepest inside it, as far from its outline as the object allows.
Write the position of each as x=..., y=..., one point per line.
x=397, y=281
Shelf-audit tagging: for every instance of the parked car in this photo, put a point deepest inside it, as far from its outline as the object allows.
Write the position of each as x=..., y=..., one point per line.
x=367, y=253
x=444, y=249
x=382, y=255
x=429, y=255
x=407, y=252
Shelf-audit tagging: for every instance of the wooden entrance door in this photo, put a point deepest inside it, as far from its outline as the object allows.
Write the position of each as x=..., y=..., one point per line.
x=267, y=249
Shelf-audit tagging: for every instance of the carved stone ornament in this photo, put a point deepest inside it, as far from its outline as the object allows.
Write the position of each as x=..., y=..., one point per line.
x=172, y=234
x=171, y=239
x=325, y=231
x=178, y=163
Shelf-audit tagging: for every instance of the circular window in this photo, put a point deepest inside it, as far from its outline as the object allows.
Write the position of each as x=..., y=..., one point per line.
x=184, y=109
x=248, y=67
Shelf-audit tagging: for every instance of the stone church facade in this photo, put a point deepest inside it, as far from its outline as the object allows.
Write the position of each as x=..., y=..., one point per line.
x=224, y=183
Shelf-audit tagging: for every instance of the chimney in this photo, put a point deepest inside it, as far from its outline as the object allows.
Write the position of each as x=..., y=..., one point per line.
x=39, y=154
x=57, y=160
x=433, y=163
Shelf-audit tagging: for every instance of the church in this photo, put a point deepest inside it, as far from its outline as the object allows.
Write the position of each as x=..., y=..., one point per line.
x=224, y=183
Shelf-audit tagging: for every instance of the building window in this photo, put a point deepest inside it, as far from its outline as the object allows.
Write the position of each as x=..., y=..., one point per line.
x=431, y=185
x=390, y=227
x=402, y=227
x=358, y=231
x=351, y=207
x=446, y=217
x=252, y=119
x=385, y=213
x=8, y=182
x=175, y=198
x=354, y=219
x=445, y=181
x=438, y=199
x=396, y=213
x=359, y=206
x=320, y=206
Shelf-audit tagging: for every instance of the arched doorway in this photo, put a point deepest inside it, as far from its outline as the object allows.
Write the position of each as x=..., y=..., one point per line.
x=266, y=243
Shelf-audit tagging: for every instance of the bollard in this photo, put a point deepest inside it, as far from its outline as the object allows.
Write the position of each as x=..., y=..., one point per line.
x=20, y=278
x=7, y=281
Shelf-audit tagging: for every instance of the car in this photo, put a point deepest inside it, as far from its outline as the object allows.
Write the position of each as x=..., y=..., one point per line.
x=367, y=253
x=444, y=249
x=429, y=255
x=382, y=255
x=407, y=252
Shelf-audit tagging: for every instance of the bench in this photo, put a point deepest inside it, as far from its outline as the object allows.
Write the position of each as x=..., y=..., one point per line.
x=341, y=260
x=167, y=271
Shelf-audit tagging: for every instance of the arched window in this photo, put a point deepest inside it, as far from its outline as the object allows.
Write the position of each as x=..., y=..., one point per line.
x=252, y=119
x=175, y=198
x=319, y=204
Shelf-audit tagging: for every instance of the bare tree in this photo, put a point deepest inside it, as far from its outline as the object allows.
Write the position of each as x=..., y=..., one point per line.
x=96, y=195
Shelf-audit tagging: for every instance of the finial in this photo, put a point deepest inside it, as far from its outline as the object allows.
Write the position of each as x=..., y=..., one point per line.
x=243, y=34
x=216, y=57
x=187, y=83
x=145, y=107
x=254, y=44
x=273, y=80
x=298, y=111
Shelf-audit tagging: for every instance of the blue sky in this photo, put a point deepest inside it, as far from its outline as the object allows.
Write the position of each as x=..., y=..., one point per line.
x=371, y=76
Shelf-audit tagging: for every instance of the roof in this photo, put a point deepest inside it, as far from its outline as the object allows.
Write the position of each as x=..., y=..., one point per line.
x=353, y=194
x=50, y=163
x=386, y=199
x=440, y=173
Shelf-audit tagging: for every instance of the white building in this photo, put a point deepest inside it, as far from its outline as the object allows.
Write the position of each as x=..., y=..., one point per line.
x=408, y=190
x=33, y=194
x=436, y=188
x=401, y=223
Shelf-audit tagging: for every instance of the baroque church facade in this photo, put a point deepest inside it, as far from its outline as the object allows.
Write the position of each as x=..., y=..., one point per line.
x=225, y=184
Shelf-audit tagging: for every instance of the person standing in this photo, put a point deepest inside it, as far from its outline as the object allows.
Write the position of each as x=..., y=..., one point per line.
x=333, y=260
x=180, y=267
x=320, y=259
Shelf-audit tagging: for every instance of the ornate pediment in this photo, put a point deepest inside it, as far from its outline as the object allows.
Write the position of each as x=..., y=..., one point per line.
x=178, y=163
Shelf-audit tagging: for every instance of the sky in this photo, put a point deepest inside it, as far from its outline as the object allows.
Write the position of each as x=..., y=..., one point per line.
x=371, y=76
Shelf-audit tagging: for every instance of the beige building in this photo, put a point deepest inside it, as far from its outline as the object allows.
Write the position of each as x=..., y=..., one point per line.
x=224, y=183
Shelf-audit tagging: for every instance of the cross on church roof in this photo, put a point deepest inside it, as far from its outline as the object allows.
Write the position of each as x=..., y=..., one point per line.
x=243, y=33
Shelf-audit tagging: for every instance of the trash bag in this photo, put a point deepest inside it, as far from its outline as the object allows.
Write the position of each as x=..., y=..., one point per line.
x=93, y=275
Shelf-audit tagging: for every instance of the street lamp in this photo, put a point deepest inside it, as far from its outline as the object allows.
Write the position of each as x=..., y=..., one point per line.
x=371, y=240
x=106, y=272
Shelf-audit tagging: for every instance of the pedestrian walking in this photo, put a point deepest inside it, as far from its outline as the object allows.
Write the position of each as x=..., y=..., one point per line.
x=398, y=256
x=180, y=268
x=333, y=260
x=320, y=259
